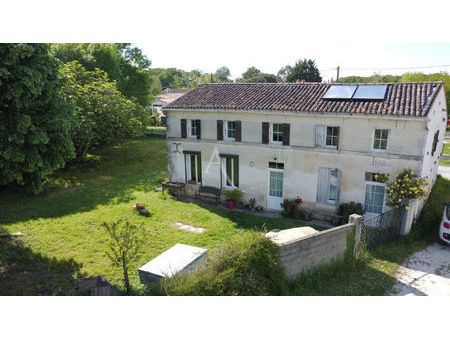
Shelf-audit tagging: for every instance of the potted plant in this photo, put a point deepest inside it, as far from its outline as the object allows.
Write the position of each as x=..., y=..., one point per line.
x=192, y=182
x=232, y=197
x=259, y=208
x=251, y=204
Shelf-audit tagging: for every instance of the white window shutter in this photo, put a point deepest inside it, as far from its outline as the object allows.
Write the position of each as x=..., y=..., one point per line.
x=323, y=183
x=320, y=136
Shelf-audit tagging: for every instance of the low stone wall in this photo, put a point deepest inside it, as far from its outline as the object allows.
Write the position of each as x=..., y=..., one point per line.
x=311, y=251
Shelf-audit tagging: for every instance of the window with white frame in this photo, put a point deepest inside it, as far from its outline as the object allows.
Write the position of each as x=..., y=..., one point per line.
x=192, y=128
x=231, y=171
x=194, y=167
x=230, y=130
x=374, y=198
x=380, y=139
x=332, y=137
x=277, y=133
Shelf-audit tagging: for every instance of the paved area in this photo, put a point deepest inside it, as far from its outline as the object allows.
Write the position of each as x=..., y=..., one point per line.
x=425, y=273
x=444, y=172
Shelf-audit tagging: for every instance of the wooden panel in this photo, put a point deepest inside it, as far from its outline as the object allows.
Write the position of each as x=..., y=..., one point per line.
x=265, y=132
x=323, y=185
x=183, y=128
x=238, y=132
x=219, y=130
x=320, y=135
x=199, y=130
x=286, y=133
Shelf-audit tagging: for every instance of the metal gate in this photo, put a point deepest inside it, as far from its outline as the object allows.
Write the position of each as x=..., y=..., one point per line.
x=380, y=229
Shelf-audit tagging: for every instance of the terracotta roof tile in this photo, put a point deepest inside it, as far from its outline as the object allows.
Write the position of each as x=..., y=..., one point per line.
x=404, y=99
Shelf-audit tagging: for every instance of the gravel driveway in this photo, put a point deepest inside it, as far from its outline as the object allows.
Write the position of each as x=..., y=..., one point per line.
x=424, y=273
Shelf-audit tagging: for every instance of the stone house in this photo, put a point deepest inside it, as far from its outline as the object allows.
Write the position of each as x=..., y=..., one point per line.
x=322, y=142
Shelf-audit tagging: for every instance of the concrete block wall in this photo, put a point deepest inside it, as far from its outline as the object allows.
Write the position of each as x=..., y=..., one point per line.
x=314, y=250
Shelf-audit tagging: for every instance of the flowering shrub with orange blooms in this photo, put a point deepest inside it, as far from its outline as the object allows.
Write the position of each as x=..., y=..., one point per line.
x=406, y=186
x=292, y=209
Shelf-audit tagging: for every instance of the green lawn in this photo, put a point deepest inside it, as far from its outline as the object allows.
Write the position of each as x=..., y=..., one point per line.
x=63, y=238
x=445, y=151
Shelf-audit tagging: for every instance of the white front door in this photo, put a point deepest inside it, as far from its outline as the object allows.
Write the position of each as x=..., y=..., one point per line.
x=275, y=194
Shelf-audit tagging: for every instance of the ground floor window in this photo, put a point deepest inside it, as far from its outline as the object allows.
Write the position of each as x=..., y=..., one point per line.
x=231, y=171
x=374, y=199
x=194, y=167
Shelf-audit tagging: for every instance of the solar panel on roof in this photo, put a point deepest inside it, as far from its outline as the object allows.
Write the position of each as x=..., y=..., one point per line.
x=339, y=92
x=370, y=92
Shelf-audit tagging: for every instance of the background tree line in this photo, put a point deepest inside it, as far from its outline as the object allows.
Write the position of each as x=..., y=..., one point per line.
x=59, y=101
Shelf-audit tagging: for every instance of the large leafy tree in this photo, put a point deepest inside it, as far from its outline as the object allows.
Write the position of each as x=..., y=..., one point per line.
x=305, y=69
x=222, y=74
x=250, y=72
x=34, y=122
x=102, y=114
x=123, y=62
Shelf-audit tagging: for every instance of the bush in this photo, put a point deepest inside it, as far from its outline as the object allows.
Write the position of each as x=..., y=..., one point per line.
x=245, y=266
x=431, y=216
x=292, y=209
x=233, y=195
x=347, y=209
x=406, y=186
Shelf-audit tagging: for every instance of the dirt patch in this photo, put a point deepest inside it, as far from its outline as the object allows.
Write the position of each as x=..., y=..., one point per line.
x=187, y=227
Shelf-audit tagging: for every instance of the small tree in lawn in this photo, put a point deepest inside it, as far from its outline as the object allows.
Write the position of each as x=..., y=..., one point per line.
x=126, y=240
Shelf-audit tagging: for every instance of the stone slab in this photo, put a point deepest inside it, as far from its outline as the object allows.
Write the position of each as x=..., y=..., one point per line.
x=285, y=236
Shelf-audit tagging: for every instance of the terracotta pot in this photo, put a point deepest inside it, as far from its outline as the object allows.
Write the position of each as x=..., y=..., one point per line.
x=230, y=204
x=192, y=182
x=140, y=206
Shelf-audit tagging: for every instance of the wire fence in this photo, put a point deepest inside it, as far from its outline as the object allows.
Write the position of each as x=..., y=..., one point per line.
x=380, y=229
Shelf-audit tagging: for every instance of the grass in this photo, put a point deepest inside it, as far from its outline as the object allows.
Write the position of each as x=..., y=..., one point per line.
x=63, y=238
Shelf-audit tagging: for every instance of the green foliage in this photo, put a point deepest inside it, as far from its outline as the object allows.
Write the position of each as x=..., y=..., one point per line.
x=406, y=186
x=34, y=122
x=427, y=225
x=247, y=265
x=292, y=208
x=122, y=62
x=284, y=72
x=222, y=74
x=125, y=244
x=262, y=78
x=233, y=195
x=305, y=69
x=102, y=115
x=347, y=209
x=251, y=72
x=370, y=79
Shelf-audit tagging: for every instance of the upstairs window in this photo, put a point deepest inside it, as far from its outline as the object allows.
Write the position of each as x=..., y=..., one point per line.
x=230, y=130
x=277, y=133
x=380, y=139
x=193, y=128
x=332, y=138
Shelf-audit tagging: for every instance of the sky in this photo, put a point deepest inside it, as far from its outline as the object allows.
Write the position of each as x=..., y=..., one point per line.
x=347, y=56
x=267, y=34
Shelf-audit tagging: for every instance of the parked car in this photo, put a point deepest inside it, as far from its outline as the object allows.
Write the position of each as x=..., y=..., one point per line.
x=444, y=229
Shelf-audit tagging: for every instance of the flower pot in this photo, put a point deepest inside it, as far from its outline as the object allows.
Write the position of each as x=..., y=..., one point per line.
x=259, y=208
x=230, y=204
x=140, y=206
x=192, y=182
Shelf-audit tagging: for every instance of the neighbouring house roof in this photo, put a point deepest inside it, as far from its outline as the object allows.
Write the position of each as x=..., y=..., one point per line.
x=170, y=95
x=412, y=99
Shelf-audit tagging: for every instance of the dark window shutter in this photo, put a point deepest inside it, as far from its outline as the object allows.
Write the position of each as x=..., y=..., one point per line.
x=199, y=130
x=219, y=130
x=265, y=132
x=183, y=128
x=238, y=133
x=286, y=133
